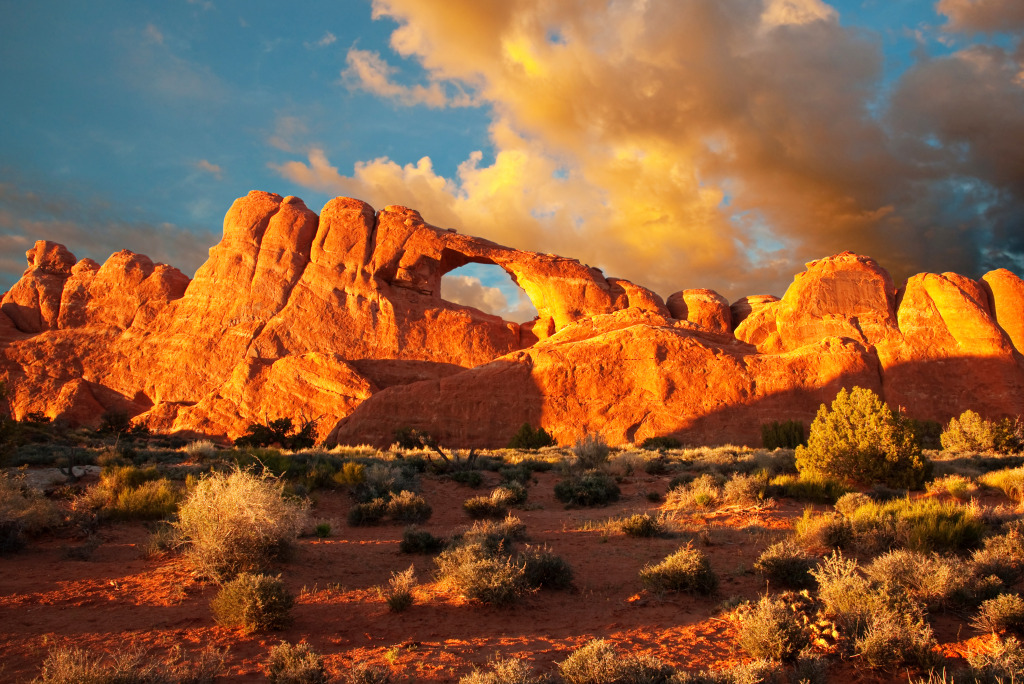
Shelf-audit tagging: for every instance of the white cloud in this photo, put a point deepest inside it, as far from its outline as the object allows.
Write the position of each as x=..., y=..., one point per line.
x=210, y=168
x=327, y=39
x=367, y=71
x=469, y=291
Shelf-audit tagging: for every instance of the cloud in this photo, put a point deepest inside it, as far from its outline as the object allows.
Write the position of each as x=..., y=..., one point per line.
x=327, y=39
x=367, y=71
x=89, y=230
x=154, y=34
x=700, y=143
x=469, y=291
x=212, y=169
x=985, y=16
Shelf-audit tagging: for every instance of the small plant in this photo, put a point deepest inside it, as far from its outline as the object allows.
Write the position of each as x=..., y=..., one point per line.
x=824, y=531
x=477, y=572
x=511, y=671
x=783, y=435
x=999, y=614
x=956, y=486
x=934, y=580
x=253, y=602
x=775, y=627
x=1009, y=481
x=472, y=478
x=528, y=438
x=237, y=522
x=642, y=525
x=597, y=662
x=23, y=512
x=588, y=489
x=492, y=506
x=1002, y=555
x=362, y=673
x=590, y=451
x=295, y=664
x=398, y=593
x=1001, y=664
x=809, y=487
x=545, y=570
x=279, y=432
x=787, y=564
x=322, y=530
x=686, y=570
x=76, y=666
x=201, y=449
x=745, y=489
x=419, y=541
x=408, y=507
x=894, y=637
x=351, y=474
x=860, y=441
x=702, y=493
x=368, y=513
x=920, y=524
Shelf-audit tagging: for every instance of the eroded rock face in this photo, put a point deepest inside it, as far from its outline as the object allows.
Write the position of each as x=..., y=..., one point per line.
x=338, y=317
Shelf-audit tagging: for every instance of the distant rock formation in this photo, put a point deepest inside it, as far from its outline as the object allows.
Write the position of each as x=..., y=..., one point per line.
x=339, y=318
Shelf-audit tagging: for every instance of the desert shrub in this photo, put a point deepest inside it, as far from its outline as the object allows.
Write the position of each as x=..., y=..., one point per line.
x=528, y=438
x=295, y=664
x=703, y=493
x=150, y=500
x=545, y=570
x=496, y=534
x=1009, y=481
x=477, y=572
x=382, y=481
x=754, y=672
x=846, y=594
x=745, y=489
x=419, y=541
x=642, y=525
x=511, y=671
x=934, y=580
x=23, y=511
x=200, y=449
x=398, y=592
x=664, y=443
x=364, y=673
x=351, y=474
x=588, y=489
x=367, y=513
x=590, y=451
x=597, y=662
x=969, y=432
x=956, y=486
x=894, y=637
x=322, y=529
x=408, y=507
x=787, y=564
x=808, y=486
x=921, y=524
x=254, y=602
x=928, y=433
x=827, y=530
x=773, y=629
x=237, y=522
x=1001, y=664
x=688, y=570
x=860, y=441
x=850, y=502
x=132, y=666
x=1001, y=555
x=1004, y=612
x=1010, y=435
x=473, y=478
x=491, y=506
x=782, y=435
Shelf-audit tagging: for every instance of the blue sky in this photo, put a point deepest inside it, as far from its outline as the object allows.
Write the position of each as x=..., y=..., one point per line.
x=680, y=143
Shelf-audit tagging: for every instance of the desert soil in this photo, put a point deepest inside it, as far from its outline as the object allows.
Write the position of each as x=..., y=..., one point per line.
x=59, y=591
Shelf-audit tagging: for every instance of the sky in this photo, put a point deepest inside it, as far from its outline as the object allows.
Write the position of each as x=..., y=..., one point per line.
x=675, y=143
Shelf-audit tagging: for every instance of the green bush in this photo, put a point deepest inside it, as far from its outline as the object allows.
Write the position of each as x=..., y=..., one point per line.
x=808, y=486
x=860, y=441
x=479, y=507
x=825, y=530
x=661, y=443
x=784, y=435
x=1009, y=481
x=545, y=570
x=702, y=492
x=937, y=581
x=419, y=541
x=473, y=478
x=477, y=572
x=774, y=628
x=787, y=564
x=237, y=522
x=253, y=602
x=496, y=534
x=295, y=664
x=894, y=637
x=368, y=513
x=642, y=525
x=597, y=662
x=969, y=432
x=742, y=489
x=688, y=570
x=528, y=438
x=919, y=524
x=279, y=432
x=511, y=671
x=589, y=489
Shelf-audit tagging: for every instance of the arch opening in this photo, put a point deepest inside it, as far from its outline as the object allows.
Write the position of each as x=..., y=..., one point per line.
x=489, y=288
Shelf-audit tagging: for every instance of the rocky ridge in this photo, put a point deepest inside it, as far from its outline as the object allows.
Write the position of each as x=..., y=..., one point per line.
x=339, y=318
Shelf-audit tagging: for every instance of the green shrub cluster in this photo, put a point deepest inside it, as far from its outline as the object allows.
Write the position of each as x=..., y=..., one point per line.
x=295, y=664
x=402, y=507
x=664, y=443
x=528, y=438
x=783, y=435
x=254, y=602
x=787, y=564
x=590, y=451
x=860, y=441
x=419, y=541
x=588, y=489
x=279, y=432
x=776, y=627
x=597, y=662
x=970, y=432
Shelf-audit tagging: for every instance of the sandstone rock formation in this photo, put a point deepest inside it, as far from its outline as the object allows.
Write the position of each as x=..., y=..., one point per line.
x=339, y=318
